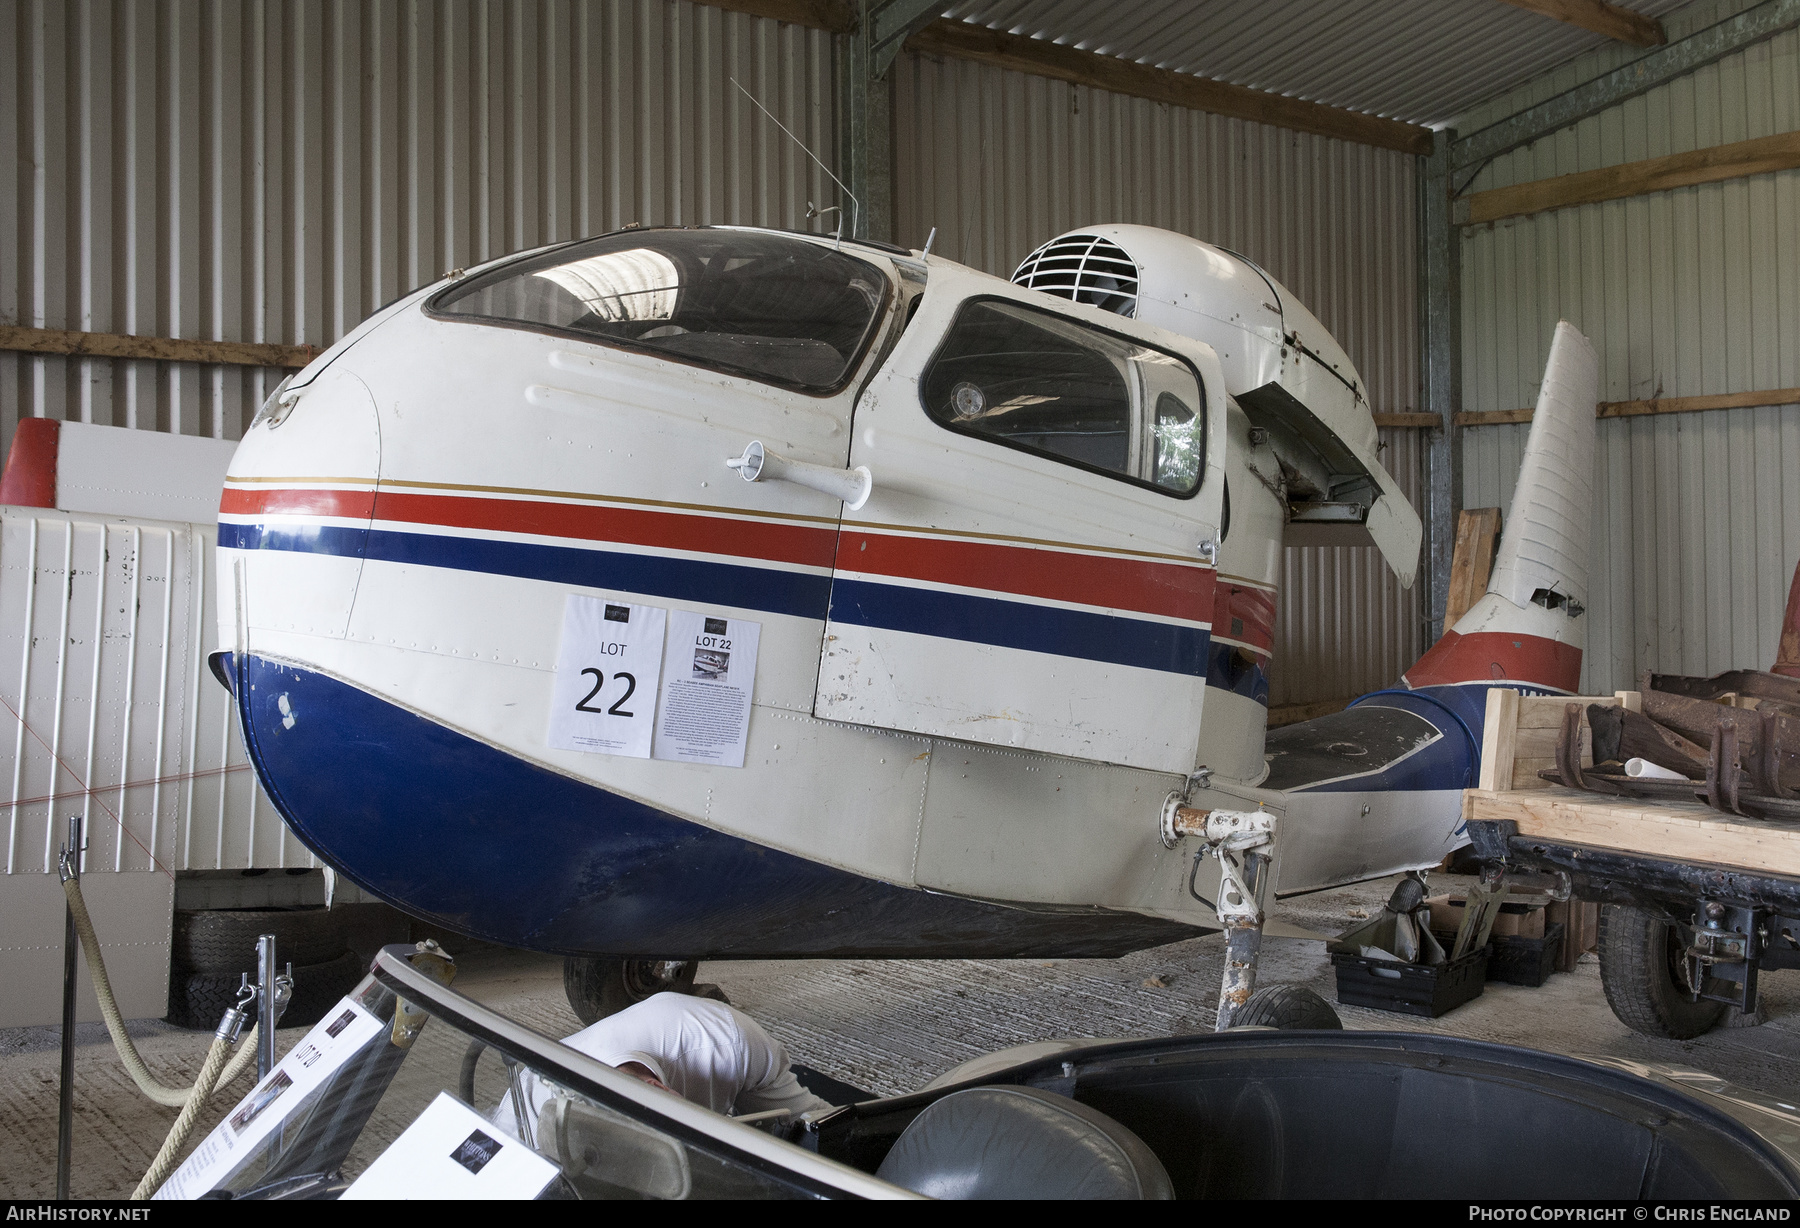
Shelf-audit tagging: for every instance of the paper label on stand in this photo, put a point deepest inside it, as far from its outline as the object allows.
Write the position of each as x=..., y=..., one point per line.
x=452, y=1152
x=709, y=679
x=607, y=672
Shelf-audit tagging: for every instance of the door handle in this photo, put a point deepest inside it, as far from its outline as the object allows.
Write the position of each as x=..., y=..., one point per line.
x=758, y=464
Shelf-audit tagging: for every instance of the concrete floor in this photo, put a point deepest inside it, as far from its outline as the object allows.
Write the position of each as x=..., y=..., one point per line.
x=886, y=1026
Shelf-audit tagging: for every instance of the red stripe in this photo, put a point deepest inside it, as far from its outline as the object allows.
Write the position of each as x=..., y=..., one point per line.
x=1245, y=614
x=1498, y=656
x=294, y=501
x=1169, y=589
x=807, y=545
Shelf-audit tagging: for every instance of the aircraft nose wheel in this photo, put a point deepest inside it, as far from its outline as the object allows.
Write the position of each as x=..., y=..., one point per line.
x=601, y=987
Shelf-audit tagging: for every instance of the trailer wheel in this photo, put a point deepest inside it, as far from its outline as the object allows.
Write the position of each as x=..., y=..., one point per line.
x=601, y=987
x=1643, y=970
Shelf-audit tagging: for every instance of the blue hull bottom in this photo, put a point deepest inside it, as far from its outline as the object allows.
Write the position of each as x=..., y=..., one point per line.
x=457, y=832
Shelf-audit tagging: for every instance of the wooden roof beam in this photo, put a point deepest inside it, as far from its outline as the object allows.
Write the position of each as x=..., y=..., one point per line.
x=1599, y=17
x=1715, y=164
x=1042, y=58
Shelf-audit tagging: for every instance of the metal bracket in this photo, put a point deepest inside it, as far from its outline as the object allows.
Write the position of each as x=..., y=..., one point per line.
x=889, y=23
x=1725, y=950
x=1490, y=836
x=231, y=1024
x=1244, y=843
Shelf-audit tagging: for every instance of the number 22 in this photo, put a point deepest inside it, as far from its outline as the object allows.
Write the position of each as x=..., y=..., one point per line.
x=581, y=705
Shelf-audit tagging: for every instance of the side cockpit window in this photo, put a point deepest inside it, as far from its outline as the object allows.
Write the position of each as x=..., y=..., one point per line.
x=772, y=308
x=1033, y=380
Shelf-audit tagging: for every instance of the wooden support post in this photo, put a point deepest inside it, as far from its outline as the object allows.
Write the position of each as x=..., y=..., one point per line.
x=1472, y=563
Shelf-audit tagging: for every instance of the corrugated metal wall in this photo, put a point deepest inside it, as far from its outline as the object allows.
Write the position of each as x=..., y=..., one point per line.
x=105, y=628
x=1684, y=293
x=274, y=171
x=999, y=161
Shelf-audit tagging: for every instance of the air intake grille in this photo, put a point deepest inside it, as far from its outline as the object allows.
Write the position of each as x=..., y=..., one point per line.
x=1085, y=268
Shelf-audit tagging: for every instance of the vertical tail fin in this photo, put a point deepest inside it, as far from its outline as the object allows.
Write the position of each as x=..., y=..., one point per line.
x=1528, y=629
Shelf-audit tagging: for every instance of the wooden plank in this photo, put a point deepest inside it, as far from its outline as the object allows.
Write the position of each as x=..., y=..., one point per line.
x=1497, y=731
x=1426, y=421
x=1494, y=417
x=1546, y=711
x=1761, y=156
x=1599, y=17
x=160, y=349
x=836, y=16
x=1675, y=832
x=1631, y=701
x=1686, y=405
x=1536, y=727
x=1019, y=53
x=1472, y=560
x=1639, y=409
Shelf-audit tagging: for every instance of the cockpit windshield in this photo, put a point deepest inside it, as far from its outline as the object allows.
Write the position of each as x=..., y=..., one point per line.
x=776, y=309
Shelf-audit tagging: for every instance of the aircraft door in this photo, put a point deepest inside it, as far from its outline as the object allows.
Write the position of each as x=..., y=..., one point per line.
x=1034, y=566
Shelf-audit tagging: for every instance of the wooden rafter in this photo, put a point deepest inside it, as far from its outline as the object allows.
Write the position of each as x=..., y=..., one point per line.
x=1761, y=156
x=836, y=16
x=1599, y=17
x=1639, y=409
x=1041, y=58
x=160, y=349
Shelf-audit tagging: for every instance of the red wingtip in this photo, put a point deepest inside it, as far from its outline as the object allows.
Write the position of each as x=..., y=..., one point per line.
x=30, y=476
x=1787, y=656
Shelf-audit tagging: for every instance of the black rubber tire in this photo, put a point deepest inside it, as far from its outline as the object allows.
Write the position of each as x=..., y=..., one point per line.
x=1641, y=970
x=224, y=939
x=1292, y=1008
x=601, y=987
x=200, y=999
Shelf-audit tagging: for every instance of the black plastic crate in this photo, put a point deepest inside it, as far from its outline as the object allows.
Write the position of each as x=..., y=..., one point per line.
x=1525, y=961
x=1518, y=961
x=1410, y=989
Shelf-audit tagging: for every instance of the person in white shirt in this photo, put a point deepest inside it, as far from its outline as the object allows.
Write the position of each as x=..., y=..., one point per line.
x=704, y=1051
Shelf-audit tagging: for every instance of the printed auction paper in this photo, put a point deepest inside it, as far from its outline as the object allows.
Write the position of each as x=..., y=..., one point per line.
x=607, y=670
x=238, y=1139
x=450, y=1151
x=709, y=678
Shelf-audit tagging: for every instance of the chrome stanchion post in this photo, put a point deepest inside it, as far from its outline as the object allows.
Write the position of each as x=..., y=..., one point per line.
x=266, y=1011
x=68, y=864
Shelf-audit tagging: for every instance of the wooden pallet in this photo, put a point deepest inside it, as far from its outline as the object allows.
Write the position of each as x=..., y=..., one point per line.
x=1520, y=738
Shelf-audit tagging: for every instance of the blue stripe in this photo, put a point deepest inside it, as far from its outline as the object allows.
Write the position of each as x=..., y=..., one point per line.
x=1017, y=624
x=303, y=538
x=703, y=583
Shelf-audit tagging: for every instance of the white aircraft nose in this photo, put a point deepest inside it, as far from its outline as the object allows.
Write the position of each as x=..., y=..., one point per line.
x=294, y=516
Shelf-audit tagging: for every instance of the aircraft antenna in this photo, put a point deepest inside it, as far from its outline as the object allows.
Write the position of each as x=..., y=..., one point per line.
x=856, y=211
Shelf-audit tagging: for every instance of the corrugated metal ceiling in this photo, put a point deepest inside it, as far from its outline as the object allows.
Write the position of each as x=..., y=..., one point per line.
x=1420, y=61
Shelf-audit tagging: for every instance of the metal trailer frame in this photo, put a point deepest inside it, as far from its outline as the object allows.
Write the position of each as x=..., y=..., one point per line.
x=1737, y=921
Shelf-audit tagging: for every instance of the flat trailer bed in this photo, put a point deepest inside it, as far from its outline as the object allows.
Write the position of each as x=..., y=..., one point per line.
x=1697, y=901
